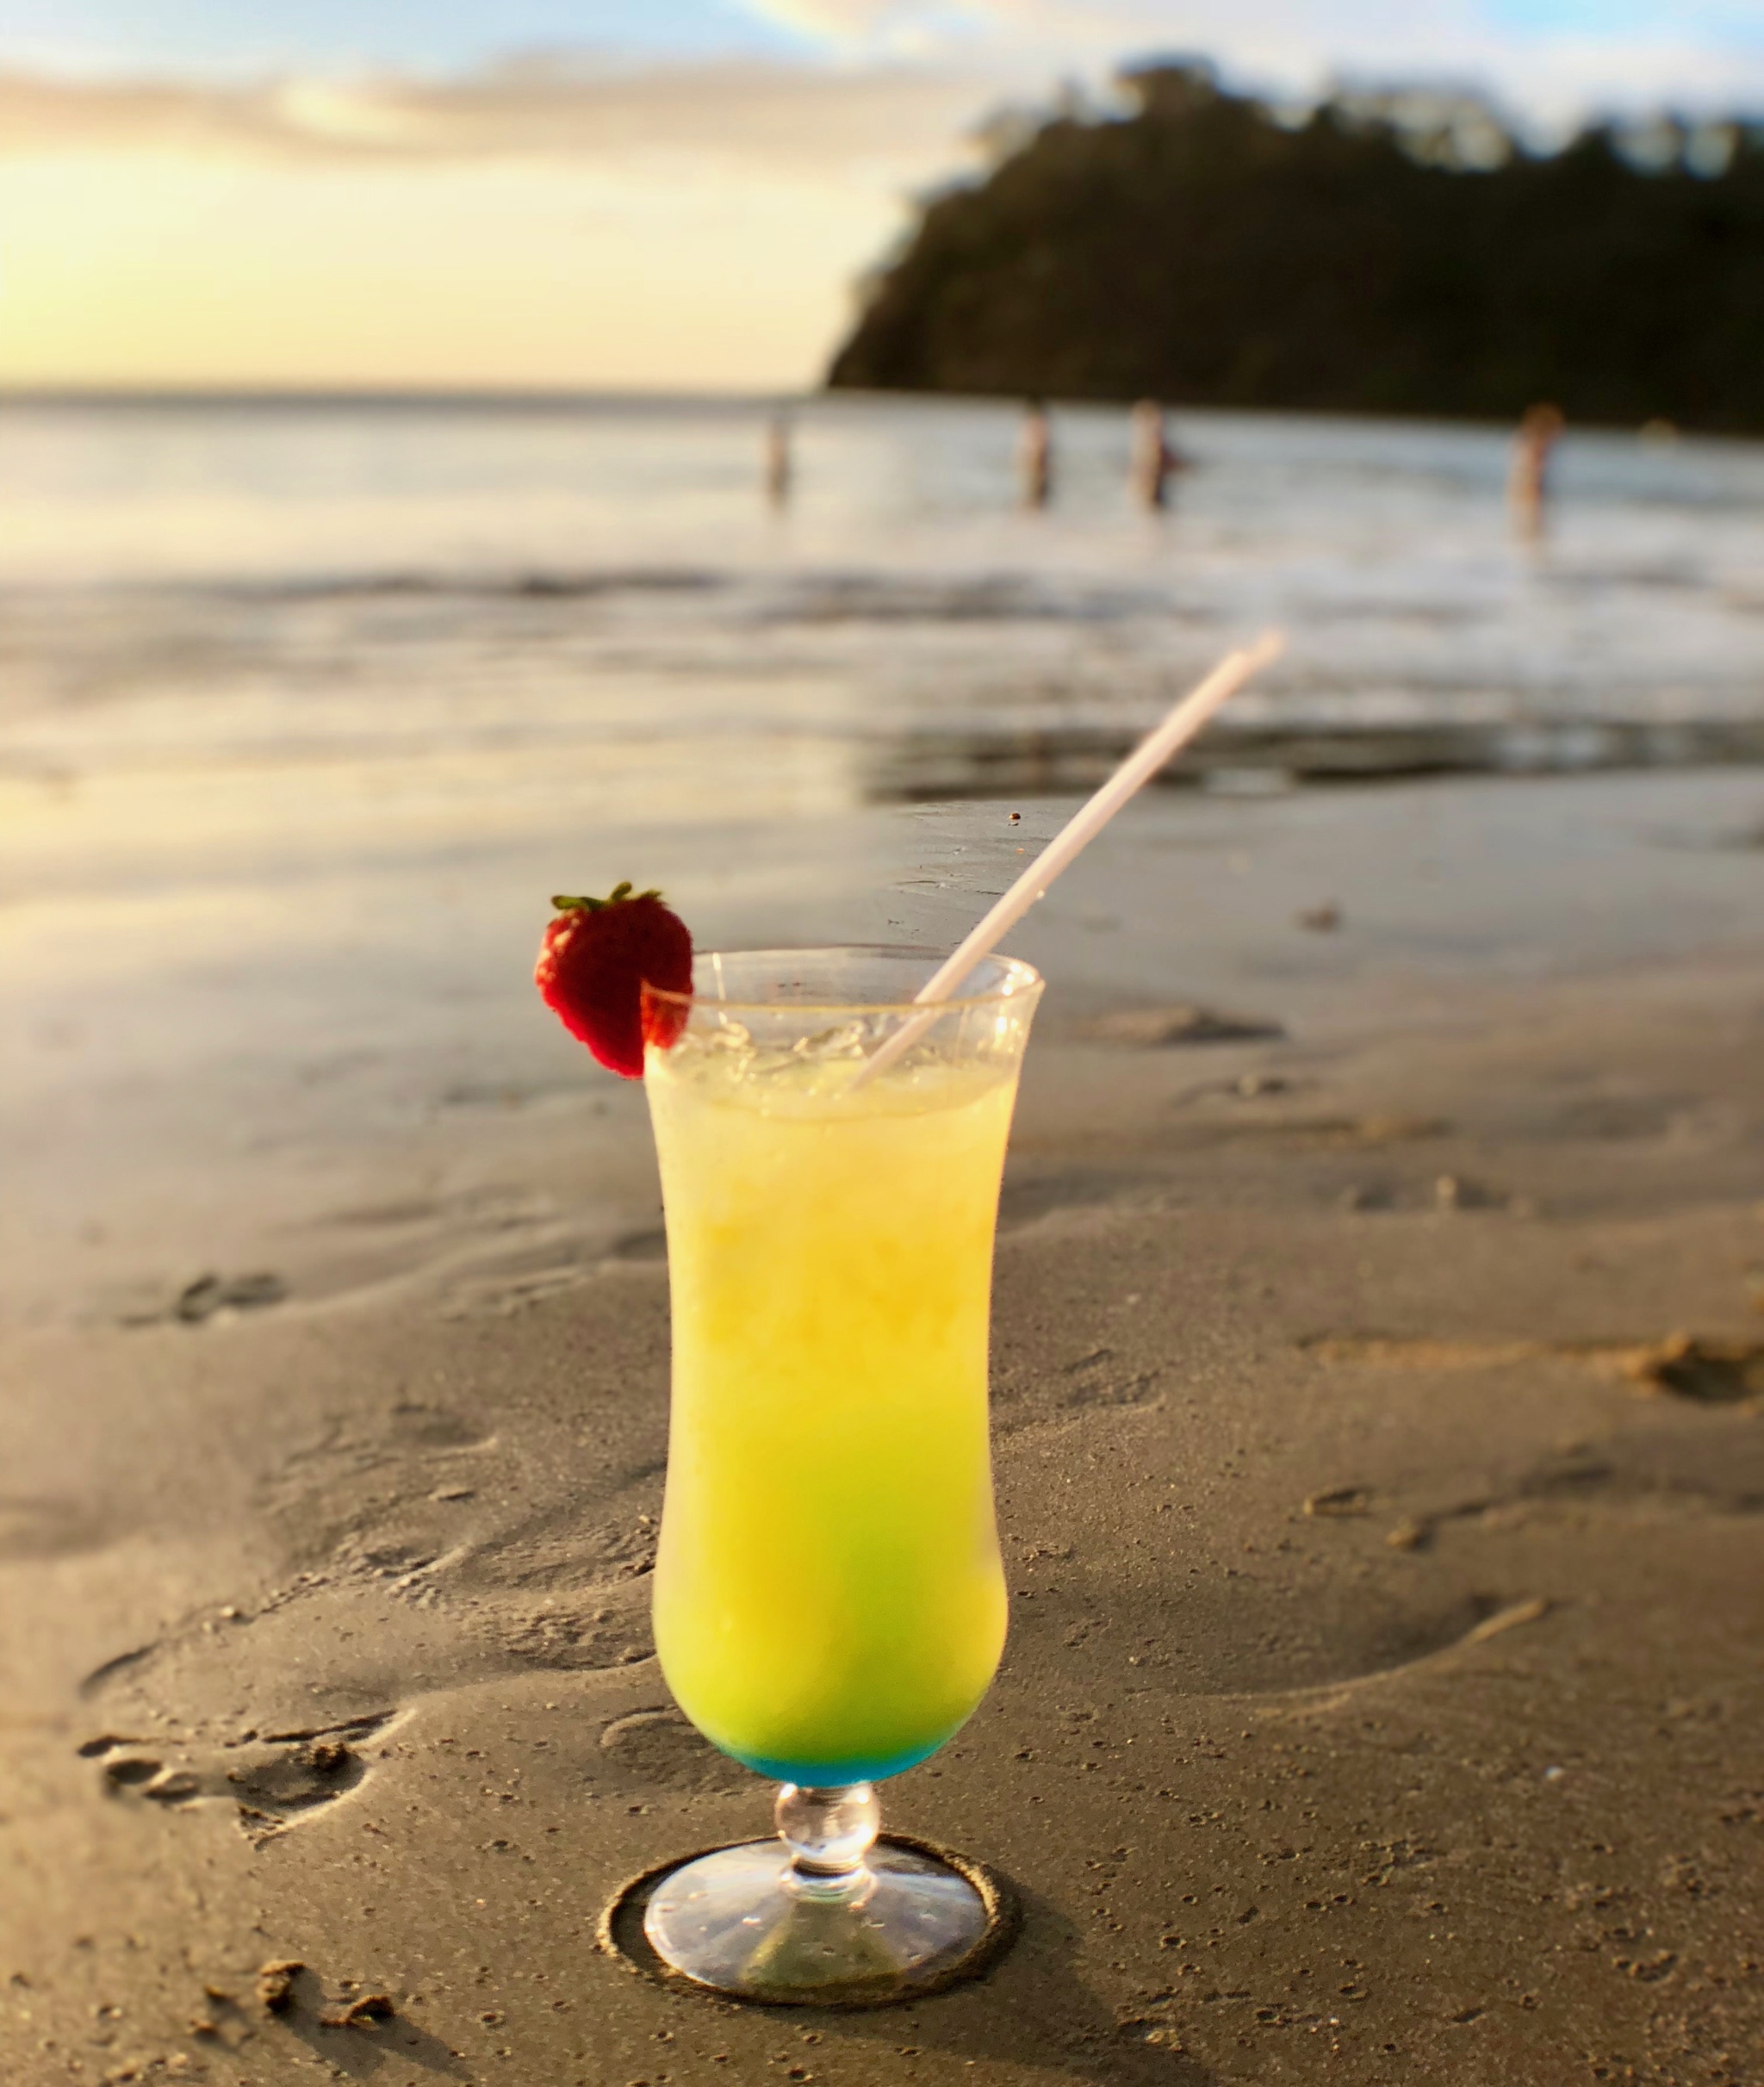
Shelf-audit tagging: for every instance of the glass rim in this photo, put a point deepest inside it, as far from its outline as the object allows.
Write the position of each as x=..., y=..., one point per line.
x=1020, y=978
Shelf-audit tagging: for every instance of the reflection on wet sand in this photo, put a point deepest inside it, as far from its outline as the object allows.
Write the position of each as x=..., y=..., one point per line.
x=1054, y=761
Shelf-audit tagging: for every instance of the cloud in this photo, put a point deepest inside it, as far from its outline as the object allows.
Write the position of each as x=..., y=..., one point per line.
x=784, y=115
x=1555, y=59
x=841, y=21
x=553, y=223
x=864, y=102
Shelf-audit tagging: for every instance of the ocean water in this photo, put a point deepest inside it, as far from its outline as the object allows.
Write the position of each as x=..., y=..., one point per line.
x=263, y=586
x=305, y=708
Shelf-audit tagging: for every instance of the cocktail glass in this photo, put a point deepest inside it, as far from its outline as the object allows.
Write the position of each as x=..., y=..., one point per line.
x=829, y=1598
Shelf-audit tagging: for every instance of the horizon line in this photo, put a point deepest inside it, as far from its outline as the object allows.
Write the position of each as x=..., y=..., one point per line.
x=538, y=399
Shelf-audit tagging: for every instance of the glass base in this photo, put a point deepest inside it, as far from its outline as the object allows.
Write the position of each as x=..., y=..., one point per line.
x=736, y=1921
x=816, y=1918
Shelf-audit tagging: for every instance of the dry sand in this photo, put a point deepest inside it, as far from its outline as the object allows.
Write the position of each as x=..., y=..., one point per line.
x=1380, y=1440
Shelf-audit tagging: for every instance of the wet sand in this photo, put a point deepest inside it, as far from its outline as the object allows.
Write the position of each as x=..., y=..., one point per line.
x=1379, y=1450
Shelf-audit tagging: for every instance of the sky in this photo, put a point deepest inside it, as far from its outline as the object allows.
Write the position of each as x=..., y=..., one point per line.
x=657, y=195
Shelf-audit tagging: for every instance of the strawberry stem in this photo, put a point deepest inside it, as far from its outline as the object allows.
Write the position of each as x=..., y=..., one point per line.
x=565, y=903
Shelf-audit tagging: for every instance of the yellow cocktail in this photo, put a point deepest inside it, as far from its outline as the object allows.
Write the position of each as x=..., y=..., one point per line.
x=829, y=1602
x=829, y=1605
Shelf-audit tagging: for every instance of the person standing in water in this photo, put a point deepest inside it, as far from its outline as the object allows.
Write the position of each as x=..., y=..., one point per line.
x=777, y=460
x=1034, y=456
x=1154, y=461
x=1528, y=484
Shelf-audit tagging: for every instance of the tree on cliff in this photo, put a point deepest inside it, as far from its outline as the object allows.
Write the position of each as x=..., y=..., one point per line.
x=1363, y=258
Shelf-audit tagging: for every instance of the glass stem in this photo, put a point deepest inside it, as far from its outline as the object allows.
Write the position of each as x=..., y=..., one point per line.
x=829, y=1833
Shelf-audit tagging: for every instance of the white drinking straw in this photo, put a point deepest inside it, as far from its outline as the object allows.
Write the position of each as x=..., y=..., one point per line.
x=1138, y=769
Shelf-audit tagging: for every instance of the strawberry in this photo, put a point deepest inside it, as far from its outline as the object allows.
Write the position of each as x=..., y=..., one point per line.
x=595, y=958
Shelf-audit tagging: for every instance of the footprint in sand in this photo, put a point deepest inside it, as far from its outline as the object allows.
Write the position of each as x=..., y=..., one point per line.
x=1027, y=1202
x=344, y=1486
x=1376, y=1636
x=270, y=1783
x=655, y=1749
x=573, y=1636
x=408, y=1580
x=1236, y=1636
x=1709, y=1371
x=1102, y=1378
x=38, y=1526
x=650, y=1245
x=1151, y=1029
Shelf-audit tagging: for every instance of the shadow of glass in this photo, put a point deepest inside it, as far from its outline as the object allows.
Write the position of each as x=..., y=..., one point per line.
x=1032, y=2010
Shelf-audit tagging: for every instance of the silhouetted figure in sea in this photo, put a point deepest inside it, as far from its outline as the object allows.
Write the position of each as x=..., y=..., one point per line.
x=777, y=467
x=1034, y=456
x=1528, y=484
x=1153, y=460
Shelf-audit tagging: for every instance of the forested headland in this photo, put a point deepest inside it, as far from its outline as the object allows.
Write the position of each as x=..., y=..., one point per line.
x=1402, y=255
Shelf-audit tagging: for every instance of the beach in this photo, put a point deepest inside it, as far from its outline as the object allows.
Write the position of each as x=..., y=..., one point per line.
x=1378, y=1356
